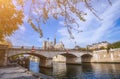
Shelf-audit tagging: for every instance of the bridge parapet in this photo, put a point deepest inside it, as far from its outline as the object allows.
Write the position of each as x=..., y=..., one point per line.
x=24, y=47
x=40, y=49
x=33, y=48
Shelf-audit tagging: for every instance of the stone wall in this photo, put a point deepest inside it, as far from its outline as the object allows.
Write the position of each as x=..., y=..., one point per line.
x=104, y=56
x=115, y=54
x=3, y=55
x=59, y=58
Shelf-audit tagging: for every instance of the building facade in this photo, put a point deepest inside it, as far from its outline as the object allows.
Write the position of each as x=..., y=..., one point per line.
x=100, y=45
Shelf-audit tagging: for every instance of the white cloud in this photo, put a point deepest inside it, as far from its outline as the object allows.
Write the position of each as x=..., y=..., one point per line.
x=61, y=23
x=94, y=30
x=15, y=37
x=110, y=16
x=22, y=28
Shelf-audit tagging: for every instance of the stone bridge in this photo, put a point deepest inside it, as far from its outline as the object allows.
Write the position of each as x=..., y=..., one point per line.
x=72, y=56
x=46, y=56
x=46, y=53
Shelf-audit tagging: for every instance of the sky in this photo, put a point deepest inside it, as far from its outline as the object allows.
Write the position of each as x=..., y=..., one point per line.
x=94, y=30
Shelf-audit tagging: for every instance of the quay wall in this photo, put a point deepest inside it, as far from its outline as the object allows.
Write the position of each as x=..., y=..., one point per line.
x=111, y=56
x=3, y=55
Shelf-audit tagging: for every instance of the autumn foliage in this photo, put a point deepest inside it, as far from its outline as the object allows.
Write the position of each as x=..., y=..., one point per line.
x=10, y=18
x=39, y=11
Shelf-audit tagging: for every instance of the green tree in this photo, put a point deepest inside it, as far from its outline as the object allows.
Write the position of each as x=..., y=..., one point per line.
x=10, y=18
x=114, y=45
x=102, y=47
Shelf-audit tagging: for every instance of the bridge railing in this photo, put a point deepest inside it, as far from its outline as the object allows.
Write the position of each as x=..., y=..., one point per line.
x=25, y=47
x=40, y=48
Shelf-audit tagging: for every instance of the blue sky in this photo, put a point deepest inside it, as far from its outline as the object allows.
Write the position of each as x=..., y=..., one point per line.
x=94, y=30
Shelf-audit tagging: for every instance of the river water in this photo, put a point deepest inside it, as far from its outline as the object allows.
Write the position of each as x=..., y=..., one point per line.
x=84, y=71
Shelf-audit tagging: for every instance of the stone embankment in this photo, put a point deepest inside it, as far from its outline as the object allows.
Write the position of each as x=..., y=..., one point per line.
x=18, y=72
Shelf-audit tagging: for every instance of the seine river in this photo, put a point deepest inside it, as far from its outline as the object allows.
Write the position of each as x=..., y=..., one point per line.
x=84, y=71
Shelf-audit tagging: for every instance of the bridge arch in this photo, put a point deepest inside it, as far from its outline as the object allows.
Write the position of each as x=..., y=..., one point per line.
x=24, y=59
x=34, y=54
x=17, y=52
x=68, y=58
x=43, y=60
x=68, y=55
x=86, y=58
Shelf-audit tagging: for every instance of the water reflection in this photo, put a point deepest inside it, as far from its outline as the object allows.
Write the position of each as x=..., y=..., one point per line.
x=106, y=71
x=34, y=66
x=59, y=69
x=84, y=71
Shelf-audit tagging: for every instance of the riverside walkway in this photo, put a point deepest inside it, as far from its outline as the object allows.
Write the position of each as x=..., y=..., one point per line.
x=18, y=72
